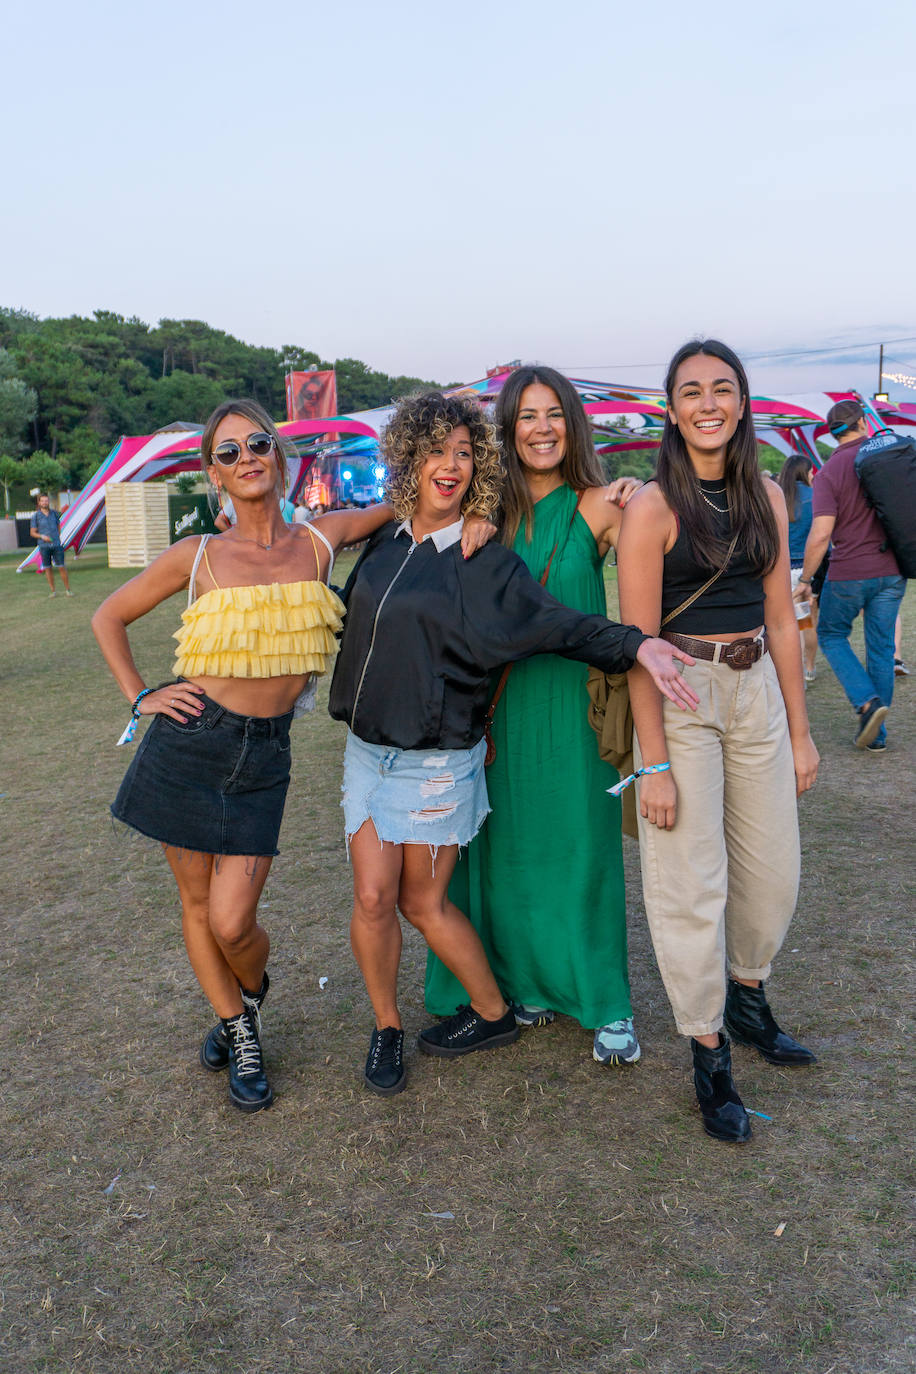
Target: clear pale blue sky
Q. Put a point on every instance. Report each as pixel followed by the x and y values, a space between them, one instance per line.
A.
pixel 437 188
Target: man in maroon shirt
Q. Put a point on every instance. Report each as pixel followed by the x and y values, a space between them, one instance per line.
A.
pixel 863 576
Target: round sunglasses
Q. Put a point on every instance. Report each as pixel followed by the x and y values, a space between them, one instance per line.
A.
pixel 229 451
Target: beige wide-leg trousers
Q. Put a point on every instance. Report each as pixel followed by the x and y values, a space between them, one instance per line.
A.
pixel 720 888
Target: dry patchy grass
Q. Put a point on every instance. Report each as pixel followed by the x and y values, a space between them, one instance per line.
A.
pixel 593 1226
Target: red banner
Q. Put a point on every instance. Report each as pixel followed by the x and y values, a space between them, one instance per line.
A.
pixel 310 395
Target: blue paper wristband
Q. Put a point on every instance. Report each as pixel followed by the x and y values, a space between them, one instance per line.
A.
pixel 624 783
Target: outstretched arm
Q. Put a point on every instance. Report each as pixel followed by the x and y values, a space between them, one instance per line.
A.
pixel 509 616
pixel 343 527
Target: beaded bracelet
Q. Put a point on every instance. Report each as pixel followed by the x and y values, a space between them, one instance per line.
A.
pixel 131 728
pixel 137 699
pixel 619 787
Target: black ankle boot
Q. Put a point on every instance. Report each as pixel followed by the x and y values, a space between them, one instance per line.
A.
pixel 254 1001
pixel 249 1089
pixel 749 1021
pixel 214 1052
pixel 723 1111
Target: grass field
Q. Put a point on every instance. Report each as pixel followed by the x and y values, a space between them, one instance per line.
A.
pixel 520 1211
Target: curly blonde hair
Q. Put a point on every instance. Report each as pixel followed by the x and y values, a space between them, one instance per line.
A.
pixel 421 421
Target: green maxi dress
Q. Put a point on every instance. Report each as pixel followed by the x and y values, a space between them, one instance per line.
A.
pixel 543 881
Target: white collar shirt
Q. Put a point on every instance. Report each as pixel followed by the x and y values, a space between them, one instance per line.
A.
pixel 443 539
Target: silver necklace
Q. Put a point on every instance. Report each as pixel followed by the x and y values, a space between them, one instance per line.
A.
pixel 248 539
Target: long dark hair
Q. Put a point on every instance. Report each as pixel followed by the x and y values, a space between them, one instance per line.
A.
pixel 751 514
pixel 580 467
pixel 795 469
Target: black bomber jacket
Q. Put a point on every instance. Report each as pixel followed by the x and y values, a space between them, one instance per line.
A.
pixel 425 629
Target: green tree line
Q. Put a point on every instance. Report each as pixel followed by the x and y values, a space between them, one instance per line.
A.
pixel 70 387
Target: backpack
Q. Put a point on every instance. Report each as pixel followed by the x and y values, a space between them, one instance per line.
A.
pixel 886 468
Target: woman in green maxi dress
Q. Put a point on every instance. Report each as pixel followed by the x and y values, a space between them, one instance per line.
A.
pixel 543 881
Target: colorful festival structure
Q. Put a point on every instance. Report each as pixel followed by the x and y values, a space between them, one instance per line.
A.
pixel 622 418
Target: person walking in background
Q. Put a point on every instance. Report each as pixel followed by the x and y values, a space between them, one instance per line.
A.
pixel 863 576
pixel 543 881
pixel 795 480
pixel 45 527
pixel 424 630
pixel 705 548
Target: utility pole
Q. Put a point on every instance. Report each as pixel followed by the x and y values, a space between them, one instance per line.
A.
pixel 881 394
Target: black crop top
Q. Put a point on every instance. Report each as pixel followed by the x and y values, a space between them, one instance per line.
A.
pixel 735 600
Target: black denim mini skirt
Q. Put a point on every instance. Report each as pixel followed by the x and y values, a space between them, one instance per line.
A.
pixel 216 784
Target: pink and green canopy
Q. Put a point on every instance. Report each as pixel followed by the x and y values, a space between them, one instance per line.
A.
pixel 622 418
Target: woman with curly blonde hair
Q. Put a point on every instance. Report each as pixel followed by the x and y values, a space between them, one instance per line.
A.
pixel 425 629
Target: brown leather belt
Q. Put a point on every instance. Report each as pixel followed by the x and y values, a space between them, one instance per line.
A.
pixel 738 654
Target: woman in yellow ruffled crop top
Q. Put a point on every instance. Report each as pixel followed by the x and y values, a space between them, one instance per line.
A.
pixel 210 777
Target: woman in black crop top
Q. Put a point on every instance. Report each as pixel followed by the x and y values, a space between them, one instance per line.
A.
pixel 703 554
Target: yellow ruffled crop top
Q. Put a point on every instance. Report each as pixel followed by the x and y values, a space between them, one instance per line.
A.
pixel 272 629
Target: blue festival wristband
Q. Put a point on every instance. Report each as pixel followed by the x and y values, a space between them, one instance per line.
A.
pixel 624 783
pixel 130 729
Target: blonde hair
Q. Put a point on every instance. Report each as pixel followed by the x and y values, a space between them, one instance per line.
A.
pixel 249 410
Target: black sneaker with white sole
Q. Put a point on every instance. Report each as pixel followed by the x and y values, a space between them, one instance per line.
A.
pixel 466 1032
pixel 385 1072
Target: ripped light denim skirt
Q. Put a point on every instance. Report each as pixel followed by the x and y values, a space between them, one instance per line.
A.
pixel 415 796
